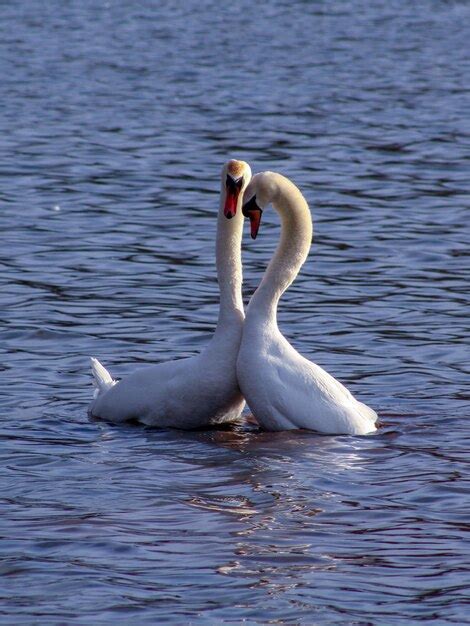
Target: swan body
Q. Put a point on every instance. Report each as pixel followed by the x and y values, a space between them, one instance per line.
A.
pixel 283 389
pixel 200 390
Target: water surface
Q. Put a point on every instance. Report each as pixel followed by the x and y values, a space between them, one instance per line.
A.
pixel 116 119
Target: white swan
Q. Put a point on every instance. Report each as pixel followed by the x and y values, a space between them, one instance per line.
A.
pixel 203 389
pixel 283 389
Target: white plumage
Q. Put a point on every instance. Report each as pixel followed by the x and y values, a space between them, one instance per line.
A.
pixel 282 388
pixel 102 379
pixel 203 389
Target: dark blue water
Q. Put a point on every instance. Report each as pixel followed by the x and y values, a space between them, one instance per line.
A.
pixel 116 118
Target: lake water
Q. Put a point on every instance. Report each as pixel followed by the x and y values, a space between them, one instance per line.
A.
pixel 116 118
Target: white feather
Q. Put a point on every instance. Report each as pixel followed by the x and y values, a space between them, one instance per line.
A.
pixel 203 389
pixel 102 379
pixel 283 389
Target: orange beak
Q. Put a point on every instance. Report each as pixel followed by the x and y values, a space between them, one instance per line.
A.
pixel 232 191
pixel 254 213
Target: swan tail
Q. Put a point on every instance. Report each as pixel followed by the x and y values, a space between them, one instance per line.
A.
pixel 102 378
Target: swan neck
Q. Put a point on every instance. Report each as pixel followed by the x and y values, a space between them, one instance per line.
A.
pixel 291 252
pixel 229 264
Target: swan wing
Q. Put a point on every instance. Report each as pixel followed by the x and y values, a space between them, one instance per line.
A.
pixel 185 393
pixel 304 395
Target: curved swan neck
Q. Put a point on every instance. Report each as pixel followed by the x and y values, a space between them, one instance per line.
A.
pixel 291 252
pixel 229 263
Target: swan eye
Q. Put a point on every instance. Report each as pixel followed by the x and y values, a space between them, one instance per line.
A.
pixel 251 205
pixel 234 185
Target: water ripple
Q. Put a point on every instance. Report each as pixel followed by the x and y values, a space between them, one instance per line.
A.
pixel 116 120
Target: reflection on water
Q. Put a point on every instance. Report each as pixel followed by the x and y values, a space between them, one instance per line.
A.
pixel 116 120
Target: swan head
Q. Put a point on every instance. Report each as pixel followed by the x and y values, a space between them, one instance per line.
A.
pixel 259 193
pixel 235 177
